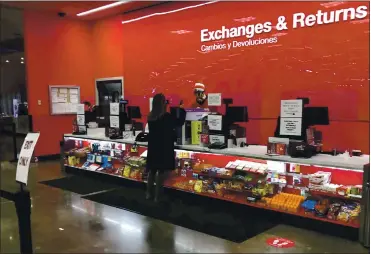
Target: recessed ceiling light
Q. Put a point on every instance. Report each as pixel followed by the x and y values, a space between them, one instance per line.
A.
pixel 168 12
pixel 22 62
pixel 7 61
pixel 104 7
pixel 22 58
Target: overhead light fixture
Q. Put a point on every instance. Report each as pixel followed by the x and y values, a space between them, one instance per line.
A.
pixel 104 7
pixel 22 62
pixel 7 61
pixel 22 58
pixel 168 12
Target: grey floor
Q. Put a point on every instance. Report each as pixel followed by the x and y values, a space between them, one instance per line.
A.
pixel 64 222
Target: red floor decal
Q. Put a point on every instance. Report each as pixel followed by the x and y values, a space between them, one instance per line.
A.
pixel 280 242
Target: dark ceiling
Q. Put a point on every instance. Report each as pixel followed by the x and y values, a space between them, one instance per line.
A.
pixel 11 33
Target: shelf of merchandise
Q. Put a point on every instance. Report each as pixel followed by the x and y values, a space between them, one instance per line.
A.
pixel 300 212
pixel 257 153
pixel 334 195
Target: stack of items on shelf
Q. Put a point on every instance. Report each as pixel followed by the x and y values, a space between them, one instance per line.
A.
pixel 283 201
pixel 333 210
pixel 320 182
pixel 248 166
pixel 134 167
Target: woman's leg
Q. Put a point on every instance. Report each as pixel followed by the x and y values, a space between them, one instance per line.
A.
pixel 161 176
pixel 150 183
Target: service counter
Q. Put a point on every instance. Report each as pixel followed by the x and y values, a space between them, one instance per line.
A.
pixel 332 189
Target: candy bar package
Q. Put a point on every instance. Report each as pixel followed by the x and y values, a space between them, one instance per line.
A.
pixel 334 210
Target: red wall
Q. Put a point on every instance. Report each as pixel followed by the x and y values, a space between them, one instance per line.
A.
pixel 327 63
pixel 66 52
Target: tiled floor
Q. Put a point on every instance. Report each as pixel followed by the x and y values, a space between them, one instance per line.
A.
pixel 64 222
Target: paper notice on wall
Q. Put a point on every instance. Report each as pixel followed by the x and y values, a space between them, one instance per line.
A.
pixel 58 108
pixel 114 121
pixel 214 99
pixel 25 157
pixel 62 91
pixel 74 98
pixel 71 108
pixel 80 109
pixel 54 96
pixel 291 108
pixel 74 91
pixel 290 126
pixel 80 119
pixel 114 109
pixel 214 122
pixel 62 99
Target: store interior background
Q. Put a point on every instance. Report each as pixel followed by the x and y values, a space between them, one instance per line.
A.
pixel 328 63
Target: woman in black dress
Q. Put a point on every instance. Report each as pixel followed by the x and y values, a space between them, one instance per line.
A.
pixel 161 138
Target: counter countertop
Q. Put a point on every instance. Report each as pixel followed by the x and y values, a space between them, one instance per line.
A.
pixel 259 152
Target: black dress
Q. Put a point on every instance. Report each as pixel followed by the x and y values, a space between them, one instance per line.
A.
pixel 161 138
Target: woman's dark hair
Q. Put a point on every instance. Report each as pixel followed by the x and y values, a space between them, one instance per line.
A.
pixel 158 107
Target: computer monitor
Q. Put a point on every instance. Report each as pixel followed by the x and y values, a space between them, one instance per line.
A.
pixel 236 114
pixel 316 115
pixel 134 112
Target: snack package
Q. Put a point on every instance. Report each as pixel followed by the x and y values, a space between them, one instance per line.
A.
pixel 309 205
pixel 321 208
pixel 126 171
pixel 333 211
pixel 198 186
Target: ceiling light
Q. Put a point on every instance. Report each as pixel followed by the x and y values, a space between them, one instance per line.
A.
pixel 181 32
pixel 22 58
pixel 7 61
pixel 168 12
pixel 104 7
pixel 22 62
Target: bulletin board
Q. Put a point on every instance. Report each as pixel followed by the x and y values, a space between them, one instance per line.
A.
pixel 64 99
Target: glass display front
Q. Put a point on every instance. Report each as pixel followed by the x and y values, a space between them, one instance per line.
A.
pixel 322 193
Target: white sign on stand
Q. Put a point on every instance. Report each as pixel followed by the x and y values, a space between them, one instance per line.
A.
pixel 80 109
pixel 291 117
pixel 214 99
pixel 23 166
pixel 114 109
pixel 290 126
pixel 291 108
pixel 80 119
pixel 114 122
pixel 214 122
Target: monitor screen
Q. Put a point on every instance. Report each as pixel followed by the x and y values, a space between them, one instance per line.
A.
pixel 134 112
pixel 236 114
pixel 316 115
